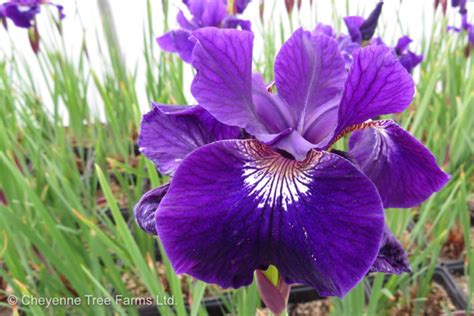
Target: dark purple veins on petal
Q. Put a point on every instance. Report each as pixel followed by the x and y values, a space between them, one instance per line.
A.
pixel 310 75
pixel 223 83
pixel 403 169
pixel 169 133
pixel 236 206
pixel 377 84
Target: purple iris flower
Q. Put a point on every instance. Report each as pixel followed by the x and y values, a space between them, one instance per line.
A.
pixel 361 32
pixel 254 179
pixel 461 4
pixel 23 12
pixel 204 13
pixel 407 58
pixel 467 27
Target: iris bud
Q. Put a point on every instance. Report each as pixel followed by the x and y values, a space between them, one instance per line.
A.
pixel 273 290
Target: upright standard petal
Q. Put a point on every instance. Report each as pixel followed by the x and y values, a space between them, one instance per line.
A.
pixel 309 75
pixel 145 210
pixel 184 22
pixel 241 5
pixel 402 44
pixel 353 24
pixel 367 29
pixel 169 133
pixel 237 206
pixel 392 258
pixel 223 83
pixel 207 12
pixel 324 29
pixel 177 42
pixel 377 84
pixel 404 171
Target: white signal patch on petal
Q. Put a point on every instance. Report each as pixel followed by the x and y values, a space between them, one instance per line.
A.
pixel 275 180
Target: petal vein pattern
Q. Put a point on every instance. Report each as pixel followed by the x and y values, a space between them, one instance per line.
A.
pixel 271 178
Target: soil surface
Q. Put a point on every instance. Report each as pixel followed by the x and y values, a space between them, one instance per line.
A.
pixel 453 248
pixel 315 308
pixel 437 302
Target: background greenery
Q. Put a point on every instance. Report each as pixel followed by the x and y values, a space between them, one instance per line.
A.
pixel 67 227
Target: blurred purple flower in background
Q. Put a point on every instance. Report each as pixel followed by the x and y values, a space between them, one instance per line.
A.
pixel 461 4
pixel 23 12
pixel 204 13
pixel 255 182
pixel 361 32
pixel 408 59
pixel 465 25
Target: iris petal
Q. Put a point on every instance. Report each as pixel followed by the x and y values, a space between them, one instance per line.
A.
pixel 410 60
pixel 402 44
pixel 207 13
pixel 392 258
pixel 22 16
pixel 169 133
pixel 184 22
pixel 231 22
pixel 309 75
pixel 146 208
pixel 241 5
pixel 237 206
pixel 367 29
pixel 403 169
pixel 177 42
pixel 223 83
pixel 353 24
pixel 378 84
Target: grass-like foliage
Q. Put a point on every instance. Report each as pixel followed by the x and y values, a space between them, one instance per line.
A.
pixel 66 222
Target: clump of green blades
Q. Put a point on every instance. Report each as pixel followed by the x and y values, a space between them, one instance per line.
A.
pixel 62 229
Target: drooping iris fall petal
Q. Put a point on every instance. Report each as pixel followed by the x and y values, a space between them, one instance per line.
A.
pixel 169 133
pixel 391 258
pixel 403 169
pixel 243 207
pixel 146 208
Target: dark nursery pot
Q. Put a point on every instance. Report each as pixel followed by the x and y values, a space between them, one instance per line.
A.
pixel 446 280
pixel 456 269
pixel 470 206
pixel 443 277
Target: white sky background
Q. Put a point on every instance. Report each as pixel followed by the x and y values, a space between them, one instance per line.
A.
pixel 412 17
